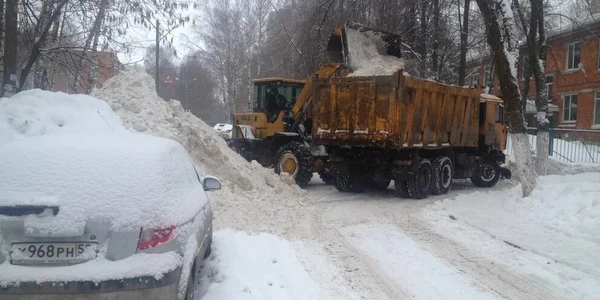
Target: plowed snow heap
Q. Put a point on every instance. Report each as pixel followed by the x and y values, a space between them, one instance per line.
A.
pixel 253 198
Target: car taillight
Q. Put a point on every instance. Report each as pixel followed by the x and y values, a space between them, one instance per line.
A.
pixel 153 237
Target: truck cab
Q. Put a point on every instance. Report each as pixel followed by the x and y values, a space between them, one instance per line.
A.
pixel 492 126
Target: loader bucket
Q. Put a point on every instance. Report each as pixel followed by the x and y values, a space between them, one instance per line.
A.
pixel 388 43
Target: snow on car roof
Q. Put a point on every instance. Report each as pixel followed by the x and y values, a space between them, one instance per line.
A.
pixel 37 112
pixel 127 179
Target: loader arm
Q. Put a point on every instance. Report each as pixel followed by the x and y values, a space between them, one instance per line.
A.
pixel 302 109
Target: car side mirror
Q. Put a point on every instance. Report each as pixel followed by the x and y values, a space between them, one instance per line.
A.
pixel 211 184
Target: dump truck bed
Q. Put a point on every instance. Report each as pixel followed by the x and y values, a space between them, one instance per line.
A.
pixel 394 112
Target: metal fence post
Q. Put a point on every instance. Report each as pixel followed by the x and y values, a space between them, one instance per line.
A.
pixel 550 141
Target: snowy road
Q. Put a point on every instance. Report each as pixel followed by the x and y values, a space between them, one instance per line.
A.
pixel 376 246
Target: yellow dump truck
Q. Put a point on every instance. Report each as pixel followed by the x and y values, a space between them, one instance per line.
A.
pixel 419 133
pixel 360 130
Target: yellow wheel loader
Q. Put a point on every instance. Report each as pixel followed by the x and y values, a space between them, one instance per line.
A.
pixel 277 133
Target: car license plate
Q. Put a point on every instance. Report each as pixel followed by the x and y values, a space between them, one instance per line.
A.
pixel 53 253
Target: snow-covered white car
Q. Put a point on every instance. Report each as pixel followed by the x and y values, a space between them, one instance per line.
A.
pixel 101 216
pixel 224 130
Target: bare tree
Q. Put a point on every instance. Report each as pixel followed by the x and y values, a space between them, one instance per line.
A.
pixel 464 39
pixel 501 35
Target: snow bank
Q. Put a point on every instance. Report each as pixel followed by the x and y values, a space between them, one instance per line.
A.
pixel 36 112
pixel 253 198
pixel 98 270
pixel 88 176
pixel 367 55
pixel 569 204
pixel 260 267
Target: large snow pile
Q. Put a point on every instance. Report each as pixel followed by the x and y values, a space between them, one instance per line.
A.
pixel 87 176
pixel 253 198
pixel 569 204
pixel 261 267
pixel 367 55
pixel 37 112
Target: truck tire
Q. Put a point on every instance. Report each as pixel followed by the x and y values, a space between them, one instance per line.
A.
pixel 487 174
pixel 295 159
pixel 442 175
pixel 380 185
pixel 401 189
pixel 326 178
pixel 420 186
pixel 349 183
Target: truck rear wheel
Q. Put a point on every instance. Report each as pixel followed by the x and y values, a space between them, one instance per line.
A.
pixel 380 185
pixel 349 183
pixel 296 160
pixel 420 186
pixel 401 189
pixel 487 175
pixel 442 175
pixel 326 178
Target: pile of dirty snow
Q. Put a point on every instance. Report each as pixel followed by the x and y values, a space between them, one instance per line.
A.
pixel 367 55
pixel 253 198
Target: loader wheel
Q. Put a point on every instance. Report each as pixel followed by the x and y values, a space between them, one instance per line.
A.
pixel 420 186
pixel 349 183
pixel 401 189
pixel 326 178
pixel 442 175
pixel 295 159
pixel 487 174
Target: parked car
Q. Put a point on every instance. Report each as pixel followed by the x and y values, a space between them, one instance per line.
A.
pixel 105 216
pixel 224 130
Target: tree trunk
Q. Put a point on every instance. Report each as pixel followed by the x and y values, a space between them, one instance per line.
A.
pixel 423 40
pixel 93 71
pixel 1 47
pixel 541 95
pixel 436 37
pixel 464 36
pixel 500 31
pixel 9 79
pixel 40 40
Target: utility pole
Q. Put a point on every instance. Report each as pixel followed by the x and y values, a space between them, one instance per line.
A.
pixel 157 79
pixel 9 80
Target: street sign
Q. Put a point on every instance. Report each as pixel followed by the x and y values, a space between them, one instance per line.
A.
pixel 168 80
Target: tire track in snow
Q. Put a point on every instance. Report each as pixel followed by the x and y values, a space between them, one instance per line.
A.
pixel 498 279
pixel 360 274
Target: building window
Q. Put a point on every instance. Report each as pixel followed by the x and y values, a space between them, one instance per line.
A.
pixel 597 109
pixel 549 86
pixel 570 108
pixel 475 77
pixel 486 75
pixel 573 56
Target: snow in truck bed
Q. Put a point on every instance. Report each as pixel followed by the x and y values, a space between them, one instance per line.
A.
pixel 129 180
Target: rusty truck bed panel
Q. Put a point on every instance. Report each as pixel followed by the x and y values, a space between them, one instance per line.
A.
pixel 394 112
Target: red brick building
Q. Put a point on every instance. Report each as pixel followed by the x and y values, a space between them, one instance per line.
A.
pixel 102 65
pixel 572 75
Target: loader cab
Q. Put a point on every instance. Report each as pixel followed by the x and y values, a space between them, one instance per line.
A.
pixel 273 95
